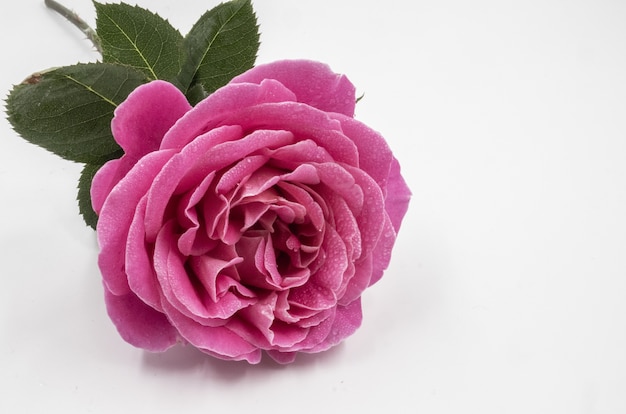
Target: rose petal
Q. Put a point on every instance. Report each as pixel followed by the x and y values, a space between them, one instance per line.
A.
pixel 139 324
pixel 342 182
pixel 287 336
pixel 140 272
pixel 217 340
pixel 382 251
pixel 362 278
pixel 318 332
pixel 375 157
pixel 139 124
pixel 315 320
pixel 347 321
pixel 142 120
pixel 194 240
pixel 312 296
pixel 238 173
pixel 117 215
pixel 227 152
pixel 211 112
pixel 301 152
pixel 304 121
pixel 207 268
pixel 314 83
pixel 313 210
pixel 398 196
pixel 105 179
pixel 330 275
pixel 371 217
pixel 260 316
pixel 167 180
pixel 173 277
pixel 346 226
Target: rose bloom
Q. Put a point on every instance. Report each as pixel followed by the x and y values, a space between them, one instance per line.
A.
pixel 251 222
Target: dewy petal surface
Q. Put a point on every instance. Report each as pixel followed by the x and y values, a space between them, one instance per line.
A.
pixel 105 179
pixel 375 156
pixel 139 124
pixel 347 320
pixel 117 215
pixel 398 196
pixel 139 324
pixel 139 266
pixel 142 120
pixel 222 103
pixel 305 122
pixel 218 340
pixel 314 83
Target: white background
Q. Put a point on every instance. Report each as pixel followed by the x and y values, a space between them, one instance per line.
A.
pixel 507 289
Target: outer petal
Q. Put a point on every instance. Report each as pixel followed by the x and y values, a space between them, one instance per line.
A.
pixel 347 321
pixel 362 279
pixel 382 252
pixel 210 113
pixel 314 83
pixel 139 125
pixel 105 179
pixel 375 156
pixel 398 196
pixel 139 266
pixel 218 340
pixel 139 324
pixel 142 120
pixel 304 122
pixel 116 217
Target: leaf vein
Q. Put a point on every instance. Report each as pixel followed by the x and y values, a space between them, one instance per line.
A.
pixel 134 46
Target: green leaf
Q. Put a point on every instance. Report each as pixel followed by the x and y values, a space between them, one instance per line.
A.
pixel 196 94
pixel 84 194
pixel 221 45
pixel 136 37
pixel 68 111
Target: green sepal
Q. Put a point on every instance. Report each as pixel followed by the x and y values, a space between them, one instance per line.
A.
pixel 221 45
pixel 130 35
pixel 68 111
pixel 84 194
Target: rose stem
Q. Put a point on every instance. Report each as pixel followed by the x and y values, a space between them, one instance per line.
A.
pixel 76 21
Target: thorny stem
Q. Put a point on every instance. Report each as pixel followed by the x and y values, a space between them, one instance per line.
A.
pixel 76 21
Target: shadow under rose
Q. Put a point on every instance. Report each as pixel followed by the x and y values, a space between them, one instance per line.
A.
pixel 182 359
pixel 327 358
pixel 187 359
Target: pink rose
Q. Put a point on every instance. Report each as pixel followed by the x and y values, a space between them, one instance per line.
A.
pixel 252 222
